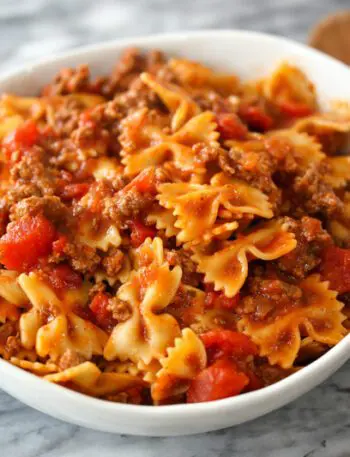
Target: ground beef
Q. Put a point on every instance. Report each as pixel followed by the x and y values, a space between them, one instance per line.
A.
pixel 70 359
pixel 91 141
pixel 131 63
pixel 272 374
pixel 180 305
pixel 205 153
pixel 9 341
pixel 82 258
pixel 63 153
pixel 128 204
pixel 69 81
pixel 22 190
pixel 137 97
pixel 189 268
pixel 97 288
pixel 31 176
pixel 120 309
pixel 50 206
pixel 311 240
pixel 99 130
pixel 4 215
pixel 255 166
pixel 314 194
pixel 131 397
pixel 266 297
pixel 345 298
pixel 211 100
pixel 64 118
pixel 113 262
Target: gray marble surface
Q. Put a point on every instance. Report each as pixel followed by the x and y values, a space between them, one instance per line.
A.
pixel 316 425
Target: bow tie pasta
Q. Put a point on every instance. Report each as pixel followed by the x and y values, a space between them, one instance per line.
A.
pixel 182 363
pixel 318 315
pixel 148 332
pixel 197 206
pixel 64 330
pixel 227 268
pixel 154 147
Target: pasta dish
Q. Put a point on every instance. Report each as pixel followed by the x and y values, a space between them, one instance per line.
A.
pixel 170 233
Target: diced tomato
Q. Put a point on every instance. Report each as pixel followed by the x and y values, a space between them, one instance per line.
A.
pixel 99 307
pixel 85 119
pixel 84 312
pixel 221 343
pixel 335 268
pixel 219 299
pixel 25 242
pixel 59 245
pixel 23 137
pixel 144 182
pixel 96 192
pixel 295 109
pixel 71 191
pixel 256 117
pixel 139 232
pixel 231 127
pixel 63 277
pixel 48 132
pixel 220 380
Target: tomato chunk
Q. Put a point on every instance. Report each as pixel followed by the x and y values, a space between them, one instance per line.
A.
pixel 103 316
pixel 25 242
pixel 218 299
pixel 231 127
pixel 86 120
pixel 63 277
pixel 220 380
pixel 221 343
pixel 256 117
pixel 295 109
pixel 23 137
pixel 144 182
pixel 139 232
pixel 70 191
pixel 335 268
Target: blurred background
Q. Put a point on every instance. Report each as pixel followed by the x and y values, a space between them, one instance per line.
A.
pixel 30 29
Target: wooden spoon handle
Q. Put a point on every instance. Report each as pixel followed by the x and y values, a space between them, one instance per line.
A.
pixel 332 36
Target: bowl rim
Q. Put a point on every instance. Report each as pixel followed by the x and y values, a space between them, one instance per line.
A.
pixel 340 352
pixel 141 40
pixel 335 354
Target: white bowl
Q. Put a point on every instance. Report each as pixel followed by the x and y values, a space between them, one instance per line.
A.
pixel 250 55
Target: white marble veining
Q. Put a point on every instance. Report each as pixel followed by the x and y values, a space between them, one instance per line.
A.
pixel 316 425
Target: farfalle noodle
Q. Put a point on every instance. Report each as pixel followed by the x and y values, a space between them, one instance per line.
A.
pixel 227 268
pixel 157 147
pixel 148 332
pixel 319 316
pixel 196 206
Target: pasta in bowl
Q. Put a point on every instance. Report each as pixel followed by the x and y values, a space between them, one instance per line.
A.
pixel 173 233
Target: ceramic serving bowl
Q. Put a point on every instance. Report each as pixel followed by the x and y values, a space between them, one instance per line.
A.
pixel 250 55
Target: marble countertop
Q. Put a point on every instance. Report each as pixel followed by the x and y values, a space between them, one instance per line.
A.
pixel 316 425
